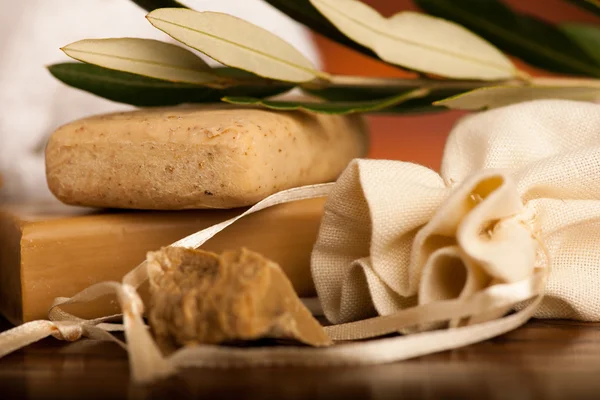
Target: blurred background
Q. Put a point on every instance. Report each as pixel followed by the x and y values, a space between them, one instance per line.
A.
pixel 33 103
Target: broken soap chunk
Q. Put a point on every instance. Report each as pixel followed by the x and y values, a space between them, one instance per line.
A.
pixel 201 297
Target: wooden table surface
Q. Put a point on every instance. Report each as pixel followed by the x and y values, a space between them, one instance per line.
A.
pixel 542 360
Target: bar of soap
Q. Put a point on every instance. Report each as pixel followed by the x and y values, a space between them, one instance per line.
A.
pixel 199 297
pixel 52 251
pixel 191 158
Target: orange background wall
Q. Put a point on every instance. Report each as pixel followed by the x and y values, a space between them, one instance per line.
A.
pixel 421 138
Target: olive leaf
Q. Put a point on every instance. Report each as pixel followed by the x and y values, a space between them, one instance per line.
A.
pixel 589 5
pixel 499 96
pixel 141 91
pixel 305 13
pixel 151 5
pixel 534 41
pixel 145 57
pixel 236 43
pixel 586 36
pixel 332 107
pixel 418 41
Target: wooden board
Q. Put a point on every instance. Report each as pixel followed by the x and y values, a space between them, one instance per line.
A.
pixel 542 360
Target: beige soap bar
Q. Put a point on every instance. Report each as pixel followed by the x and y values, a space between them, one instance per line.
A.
pixel 187 158
pixel 47 252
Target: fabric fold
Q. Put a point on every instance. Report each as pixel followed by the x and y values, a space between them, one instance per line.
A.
pixel 515 182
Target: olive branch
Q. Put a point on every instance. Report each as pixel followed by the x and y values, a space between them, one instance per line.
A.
pixel 460 50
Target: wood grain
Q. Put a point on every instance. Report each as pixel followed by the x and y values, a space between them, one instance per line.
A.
pixel 544 359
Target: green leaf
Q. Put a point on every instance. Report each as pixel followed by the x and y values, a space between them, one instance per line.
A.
pixel 145 57
pixel 418 41
pixel 151 5
pixel 536 42
pixel 589 5
pixel 141 91
pixel 499 96
pixel 332 107
pixel 236 43
pixel 586 36
pixel 305 13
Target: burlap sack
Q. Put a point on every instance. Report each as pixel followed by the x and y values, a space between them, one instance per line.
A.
pixel 515 182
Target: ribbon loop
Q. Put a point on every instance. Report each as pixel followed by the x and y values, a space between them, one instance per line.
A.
pixel 130 300
pixel 69 331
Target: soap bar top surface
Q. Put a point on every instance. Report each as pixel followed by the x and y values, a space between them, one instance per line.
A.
pixel 191 157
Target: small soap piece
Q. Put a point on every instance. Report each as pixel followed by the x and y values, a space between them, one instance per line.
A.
pixel 47 251
pixel 198 297
pixel 188 158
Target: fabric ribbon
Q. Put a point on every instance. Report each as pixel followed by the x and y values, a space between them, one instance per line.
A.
pixel 148 364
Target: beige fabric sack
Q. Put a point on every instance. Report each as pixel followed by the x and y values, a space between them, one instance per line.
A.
pixel 515 182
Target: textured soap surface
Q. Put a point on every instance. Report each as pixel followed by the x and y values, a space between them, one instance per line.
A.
pixel 47 252
pixel 186 158
pixel 200 297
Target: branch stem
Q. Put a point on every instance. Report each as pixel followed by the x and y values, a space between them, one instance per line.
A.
pixel 405 84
